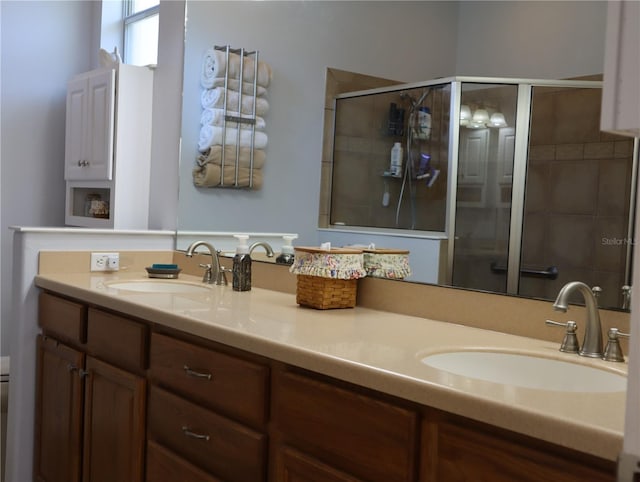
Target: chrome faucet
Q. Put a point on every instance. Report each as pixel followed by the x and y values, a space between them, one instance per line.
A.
pixel 267 247
pixel 213 273
pixel 592 343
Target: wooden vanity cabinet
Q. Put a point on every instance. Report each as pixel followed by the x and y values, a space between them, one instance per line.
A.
pixel 208 409
pixel 214 413
pixel 90 410
pixel 339 432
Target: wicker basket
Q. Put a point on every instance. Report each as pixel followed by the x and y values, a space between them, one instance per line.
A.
pixel 327 279
pixel 326 293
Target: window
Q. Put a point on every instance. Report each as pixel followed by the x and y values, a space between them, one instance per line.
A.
pixel 141 19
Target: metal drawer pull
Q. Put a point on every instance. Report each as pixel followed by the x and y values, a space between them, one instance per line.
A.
pixel 193 373
pixel 191 434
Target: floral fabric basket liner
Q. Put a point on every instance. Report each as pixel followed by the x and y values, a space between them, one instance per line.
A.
pixel 387 263
pixel 335 263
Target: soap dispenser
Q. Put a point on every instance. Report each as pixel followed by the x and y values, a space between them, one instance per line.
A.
pixel 242 265
pixel 286 256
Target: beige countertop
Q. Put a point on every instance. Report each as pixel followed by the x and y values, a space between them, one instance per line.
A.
pixel 374 349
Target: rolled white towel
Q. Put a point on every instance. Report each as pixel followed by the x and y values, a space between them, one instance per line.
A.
pixel 215 117
pixel 215 65
pixel 214 99
pixel 212 136
pixel 233 84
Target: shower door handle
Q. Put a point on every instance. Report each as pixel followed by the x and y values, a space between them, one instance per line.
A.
pixel 550 273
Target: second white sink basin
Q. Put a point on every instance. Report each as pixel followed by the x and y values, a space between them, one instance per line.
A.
pixel 528 371
pixel 159 286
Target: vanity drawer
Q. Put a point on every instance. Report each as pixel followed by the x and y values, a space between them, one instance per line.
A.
pixel 225 448
pixel 62 319
pixel 369 438
pixel 117 339
pixel 229 384
pixel 165 466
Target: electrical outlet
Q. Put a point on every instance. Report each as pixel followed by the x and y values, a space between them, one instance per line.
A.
pixel 105 261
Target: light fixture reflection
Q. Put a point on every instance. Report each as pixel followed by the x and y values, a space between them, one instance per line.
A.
pixel 497 120
pixel 480 116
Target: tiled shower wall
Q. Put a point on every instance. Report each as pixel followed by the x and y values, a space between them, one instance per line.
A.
pixel 362 146
pixel 577 195
pixel 338 82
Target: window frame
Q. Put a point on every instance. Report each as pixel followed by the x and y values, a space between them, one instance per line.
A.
pixel 129 19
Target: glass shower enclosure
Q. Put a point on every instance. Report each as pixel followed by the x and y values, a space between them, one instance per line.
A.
pixel 513 174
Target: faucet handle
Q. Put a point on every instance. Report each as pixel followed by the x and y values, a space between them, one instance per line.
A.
pixel 570 342
pixel 597 291
pixel 222 276
pixel 206 277
pixel 626 297
pixel 613 351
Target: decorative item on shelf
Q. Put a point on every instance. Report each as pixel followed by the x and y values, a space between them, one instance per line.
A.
pixel 232 140
pixel 110 60
pixel 99 209
pixel 89 199
pixel 386 263
pixel 327 277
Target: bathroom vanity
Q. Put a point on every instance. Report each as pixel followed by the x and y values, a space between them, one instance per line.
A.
pixel 248 386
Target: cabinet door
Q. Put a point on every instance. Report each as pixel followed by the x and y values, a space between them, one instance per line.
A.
pixel 114 424
pixel 294 466
pixel 58 419
pixel 90 127
pixel 100 117
pixel 76 125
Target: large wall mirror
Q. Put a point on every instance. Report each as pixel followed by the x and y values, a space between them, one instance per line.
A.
pixel 315 45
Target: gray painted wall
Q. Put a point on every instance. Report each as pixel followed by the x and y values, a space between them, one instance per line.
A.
pixel 534 39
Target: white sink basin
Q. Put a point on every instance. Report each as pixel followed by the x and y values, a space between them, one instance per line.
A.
pixel 528 371
pixel 159 286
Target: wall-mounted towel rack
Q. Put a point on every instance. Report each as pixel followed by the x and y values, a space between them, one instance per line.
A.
pixel 232 140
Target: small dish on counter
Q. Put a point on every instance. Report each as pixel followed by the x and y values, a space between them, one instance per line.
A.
pixel 163 271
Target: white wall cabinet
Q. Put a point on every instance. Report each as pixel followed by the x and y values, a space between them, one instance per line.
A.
pixel 108 148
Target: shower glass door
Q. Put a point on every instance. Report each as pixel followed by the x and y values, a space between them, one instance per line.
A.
pixel 484 185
